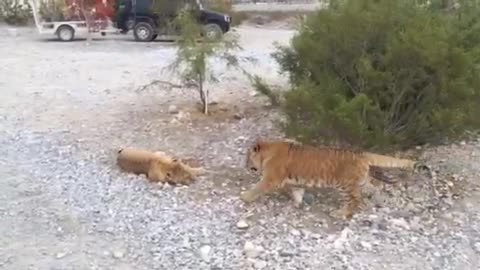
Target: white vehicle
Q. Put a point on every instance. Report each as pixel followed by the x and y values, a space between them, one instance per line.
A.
pixel 68 30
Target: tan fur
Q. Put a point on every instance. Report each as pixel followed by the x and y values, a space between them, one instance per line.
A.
pixel 157 166
pixel 284 164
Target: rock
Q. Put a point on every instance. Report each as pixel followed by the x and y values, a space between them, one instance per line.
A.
pixel 259 264
pixel 251 250
pixel 118 254
pixel 343 238
pixel 254 93
pixel 242 224
pixel 477 247
pixel 205 253
pixel 286 253
pixel 400 223
pixel 295 232
pixel 366 245
pixel 60 255
pixel 172 109
pixel 238 116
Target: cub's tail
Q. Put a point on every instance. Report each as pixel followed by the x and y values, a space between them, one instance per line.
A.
pixel 389 162
pixel 377 162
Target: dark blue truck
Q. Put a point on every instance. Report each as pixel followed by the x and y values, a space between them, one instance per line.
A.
pixel 150 19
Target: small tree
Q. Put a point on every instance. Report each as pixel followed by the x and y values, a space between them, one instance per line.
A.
pixel 194 51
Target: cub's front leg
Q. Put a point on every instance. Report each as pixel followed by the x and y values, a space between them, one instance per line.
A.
pixel 265 185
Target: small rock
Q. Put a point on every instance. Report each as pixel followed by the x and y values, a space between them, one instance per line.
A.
pixel 295 232
pixel 60 255
pixel 259 264
pixel 238 116
pixel 242 224
pixel 118 254
pixel 477 247
pixel 286 253
pixel 205 253
pixel 343 238
pixel 366 245
pixel 172 109
pixel 250 250
pixel 400 223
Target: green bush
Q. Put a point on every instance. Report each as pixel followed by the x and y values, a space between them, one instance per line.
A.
pixel 14 13
pixel 384 74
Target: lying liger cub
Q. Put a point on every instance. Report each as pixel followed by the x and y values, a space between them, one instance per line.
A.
pixel 157 166
pixel 286 164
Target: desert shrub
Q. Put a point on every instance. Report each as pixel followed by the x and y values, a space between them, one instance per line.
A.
pixel 14 13
pixel 384 73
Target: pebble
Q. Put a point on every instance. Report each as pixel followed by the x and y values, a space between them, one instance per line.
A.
pixel 172 109
pixel 205 253
pixel 295 232
pixel 366 245
pixel 477 247
pixel 251 250
pixel 242 224
pixel 259 264
pixel 118 254
pixel 60 255
pixel 400 223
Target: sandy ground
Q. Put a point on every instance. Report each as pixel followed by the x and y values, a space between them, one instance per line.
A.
pixel 66 108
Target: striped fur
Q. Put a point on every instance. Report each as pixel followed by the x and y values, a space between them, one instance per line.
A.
pixel 294 166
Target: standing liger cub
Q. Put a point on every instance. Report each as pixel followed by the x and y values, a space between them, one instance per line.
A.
pixel 296 166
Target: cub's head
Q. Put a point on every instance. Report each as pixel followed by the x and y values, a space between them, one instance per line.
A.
pixel 176 173
pixel 254 156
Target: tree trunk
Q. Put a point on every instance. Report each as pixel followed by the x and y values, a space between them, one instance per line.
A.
pixel 203 94
pixel 85 8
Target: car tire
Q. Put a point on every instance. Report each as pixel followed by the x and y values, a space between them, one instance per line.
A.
pixel 212 31
pixel 143 32
pixel 65 33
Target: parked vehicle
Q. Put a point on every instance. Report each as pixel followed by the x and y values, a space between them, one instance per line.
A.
pixel 66 18
pixel 150 19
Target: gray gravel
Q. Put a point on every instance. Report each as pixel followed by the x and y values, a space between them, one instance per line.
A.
pixel 66 108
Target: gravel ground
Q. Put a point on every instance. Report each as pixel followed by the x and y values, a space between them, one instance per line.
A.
pixel 66 108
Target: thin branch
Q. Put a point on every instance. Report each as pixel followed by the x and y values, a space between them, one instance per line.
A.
pixel 157 82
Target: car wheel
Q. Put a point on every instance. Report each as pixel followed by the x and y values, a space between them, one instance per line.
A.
pixel 143 32
pixel 65 33
pixel 212 31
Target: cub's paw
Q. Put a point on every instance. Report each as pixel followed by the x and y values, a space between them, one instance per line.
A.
pixel 342 214
pixel 247 196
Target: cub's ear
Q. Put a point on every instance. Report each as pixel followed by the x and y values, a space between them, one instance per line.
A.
pixel 256 147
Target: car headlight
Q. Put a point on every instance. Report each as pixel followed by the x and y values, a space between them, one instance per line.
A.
pixel 227 18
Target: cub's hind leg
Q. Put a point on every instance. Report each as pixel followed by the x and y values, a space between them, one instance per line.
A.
pixel 352 199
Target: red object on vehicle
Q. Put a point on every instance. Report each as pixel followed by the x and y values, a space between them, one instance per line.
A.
pixel 98 9
pixel 104 9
